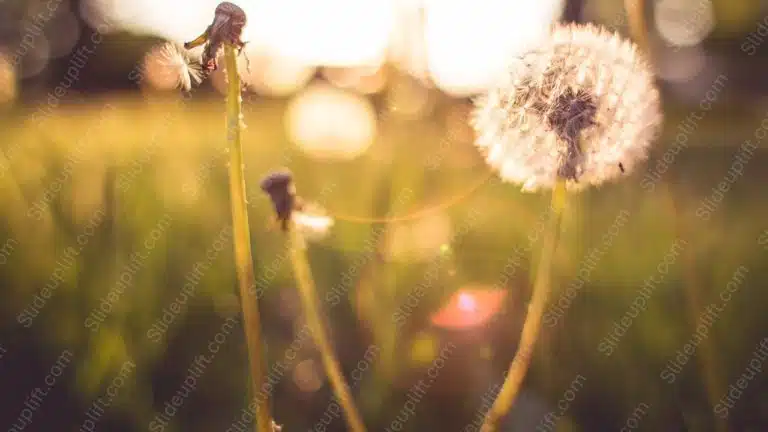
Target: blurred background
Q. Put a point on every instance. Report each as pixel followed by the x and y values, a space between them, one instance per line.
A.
pixel 116 260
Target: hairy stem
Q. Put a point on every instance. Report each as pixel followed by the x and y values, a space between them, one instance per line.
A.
pixel 242 242
pixel 541 287
pixel 303 274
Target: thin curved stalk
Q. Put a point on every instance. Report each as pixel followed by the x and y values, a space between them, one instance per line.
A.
pixel 303 274
pixel 637 25
pixel 242 241
pixel 531 327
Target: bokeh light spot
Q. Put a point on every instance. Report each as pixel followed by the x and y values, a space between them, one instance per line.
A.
pixel 306 376
pixel 684 23
pixel 274 74
pixel 468 42
pixel 469 308
pixel 421 239
pixel 328 123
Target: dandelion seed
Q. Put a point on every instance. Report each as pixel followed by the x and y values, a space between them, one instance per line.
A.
pixel 582 107
pixel 175 65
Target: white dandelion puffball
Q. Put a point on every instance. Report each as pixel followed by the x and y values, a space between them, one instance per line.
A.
pixel 582 107
pixel 171 66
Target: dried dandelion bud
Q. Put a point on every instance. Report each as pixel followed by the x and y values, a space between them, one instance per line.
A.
pixel 582 107
pixel 228 23
pixel 309 219
pixel 279 186
pixel 227 27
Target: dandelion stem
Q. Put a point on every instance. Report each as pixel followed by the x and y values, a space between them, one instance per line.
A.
pixel 637 26
pixel 303 275
pixel 541 287
pixel 242 241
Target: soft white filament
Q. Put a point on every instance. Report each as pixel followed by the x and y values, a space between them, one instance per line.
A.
pixel 512 128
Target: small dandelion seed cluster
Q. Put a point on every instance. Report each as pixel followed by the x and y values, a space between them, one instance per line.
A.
pixel 581 107
pixel 227 27
pixel 186 70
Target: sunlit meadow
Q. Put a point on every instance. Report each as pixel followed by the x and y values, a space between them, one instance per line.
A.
pixel 121 307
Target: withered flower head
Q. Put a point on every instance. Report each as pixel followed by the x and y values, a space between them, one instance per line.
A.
pixel 310 219
pixel 227 27
pixel 280 188
pixel 581 107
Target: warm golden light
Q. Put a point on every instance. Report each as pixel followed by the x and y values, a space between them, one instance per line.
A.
pixel 327 33
pixel 8 85
pixel 460 44
pixel 329 123
pixel 112 15
pixel 365 80
pixel 421 239
pixel 409 99
pixel 468 43
pixel 273 74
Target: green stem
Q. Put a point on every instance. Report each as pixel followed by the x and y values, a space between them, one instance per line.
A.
pixel 242 242
pixel 303 274
pixel 519 366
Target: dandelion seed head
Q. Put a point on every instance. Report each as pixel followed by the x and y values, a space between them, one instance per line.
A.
pixel 582 107
pixel 173 64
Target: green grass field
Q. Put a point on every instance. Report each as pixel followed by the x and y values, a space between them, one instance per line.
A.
pixel 111 204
